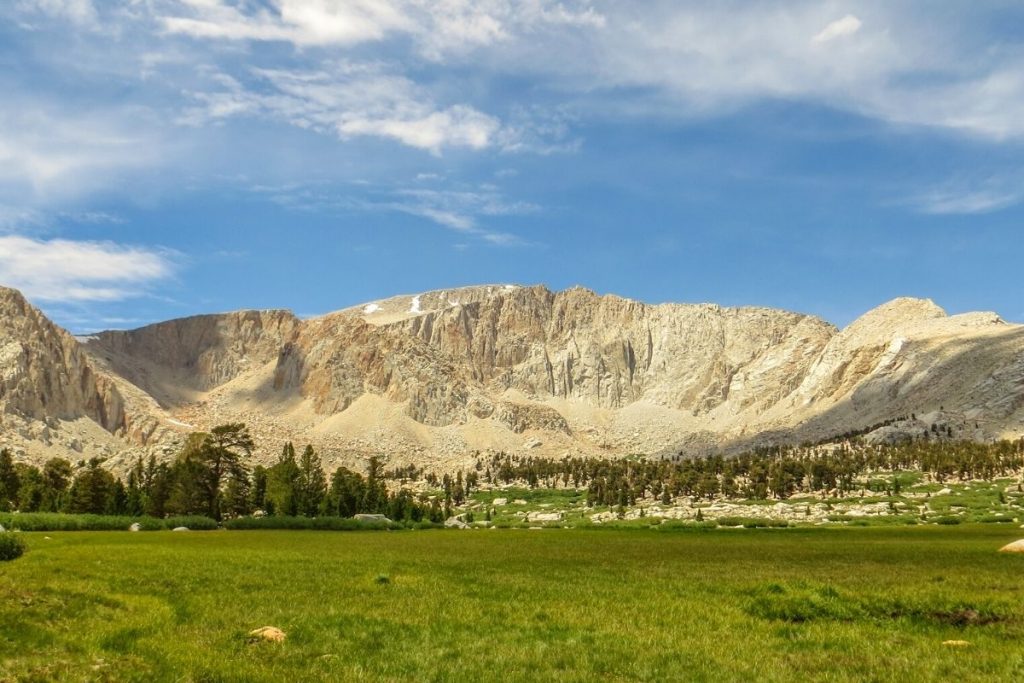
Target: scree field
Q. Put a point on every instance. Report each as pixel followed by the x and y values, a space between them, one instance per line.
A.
pixel 511 605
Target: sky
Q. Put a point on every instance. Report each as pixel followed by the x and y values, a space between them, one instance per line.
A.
pixel 163 158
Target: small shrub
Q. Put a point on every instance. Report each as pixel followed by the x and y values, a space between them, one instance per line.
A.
pixel 753 522
pixel 992 519
pixel 949 521
pixel 11 547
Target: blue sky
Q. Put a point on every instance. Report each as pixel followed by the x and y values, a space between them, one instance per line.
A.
pixel 160 158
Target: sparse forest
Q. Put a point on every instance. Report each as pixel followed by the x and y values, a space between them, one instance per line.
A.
pixel 211 477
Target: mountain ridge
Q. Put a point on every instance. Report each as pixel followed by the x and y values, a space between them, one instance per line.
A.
pixel 432 377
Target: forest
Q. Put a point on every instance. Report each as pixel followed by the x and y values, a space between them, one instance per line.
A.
pixel 211 476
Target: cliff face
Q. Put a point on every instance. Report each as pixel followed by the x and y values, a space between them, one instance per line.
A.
pixel 434 376
pixel 55 400
pixel 176 361
pixel 609 352
pixel 44 373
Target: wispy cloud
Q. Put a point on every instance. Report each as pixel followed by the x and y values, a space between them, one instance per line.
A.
pixel 967 198
pixel 69 270
pixel 349 100
pixel 48 152
pixel 464 210
pixel 846 26
pixel 437 27
pixel 76 11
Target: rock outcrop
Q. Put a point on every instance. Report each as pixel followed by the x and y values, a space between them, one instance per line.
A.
pixel 430 378
pixel 46 380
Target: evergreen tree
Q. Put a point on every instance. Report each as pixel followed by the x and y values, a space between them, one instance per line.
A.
pixel 348 490
pixel 220 457
pixel 259 487
pixel 57 474
pixel 32 488
pixel 311 484
pixel 235 499
pixel 91 490
pixel 282 484
pixel 9 483
pixel 375 498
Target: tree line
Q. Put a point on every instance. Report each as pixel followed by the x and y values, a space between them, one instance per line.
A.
pixel 776 472
pixel 211 476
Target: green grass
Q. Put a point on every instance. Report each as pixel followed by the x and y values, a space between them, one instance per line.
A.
pixel 836 604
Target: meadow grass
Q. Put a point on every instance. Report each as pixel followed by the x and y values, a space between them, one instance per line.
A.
pixel 836 604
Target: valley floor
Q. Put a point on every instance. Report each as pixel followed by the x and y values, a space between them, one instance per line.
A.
pixel 838 604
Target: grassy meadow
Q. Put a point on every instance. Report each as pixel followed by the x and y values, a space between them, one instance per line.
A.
pixel 837 604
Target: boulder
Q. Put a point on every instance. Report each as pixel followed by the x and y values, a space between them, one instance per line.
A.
pixel 544 517
pixel 455 523
pixel 268 633
pixel 135 527
pixel 363 517
pixel 180 528
pixel 1015 547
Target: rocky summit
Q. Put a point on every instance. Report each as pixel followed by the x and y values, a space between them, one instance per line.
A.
pixel 432 378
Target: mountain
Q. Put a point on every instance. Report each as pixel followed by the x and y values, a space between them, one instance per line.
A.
pixel 430 378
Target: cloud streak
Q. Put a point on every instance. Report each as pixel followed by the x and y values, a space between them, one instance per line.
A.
pixel 465 211
pixel 967 198
pixel 846 26
pixel 348 100
pixel 80 271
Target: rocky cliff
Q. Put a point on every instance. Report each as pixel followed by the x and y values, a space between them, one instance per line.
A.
pixel 434 376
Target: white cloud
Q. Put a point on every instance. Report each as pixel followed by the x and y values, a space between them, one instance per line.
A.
pixel 77 11
pixel 67 270
pixel 438 26
pixel 846 26
pixel 46 152
pixel 350 100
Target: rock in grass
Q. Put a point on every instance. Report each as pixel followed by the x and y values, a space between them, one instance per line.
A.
pixel 180 528
pixel 135 527
pixel 956 643
pixel 1015 547
pixel 270 633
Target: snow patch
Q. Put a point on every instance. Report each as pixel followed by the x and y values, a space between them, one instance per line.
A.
pixel 86 339
pixel 415 307
pixel 370 308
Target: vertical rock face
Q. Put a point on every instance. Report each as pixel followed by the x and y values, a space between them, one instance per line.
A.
pixel 44 373
pixel 609 352
pixel 175 361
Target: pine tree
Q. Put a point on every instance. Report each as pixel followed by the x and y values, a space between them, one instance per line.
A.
pixel 91 490
pixel 348 490
pixel 220 456
pixel 57 474
pixel 312 483
pixel 9 483
pixel 375 499
pixel 282 496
